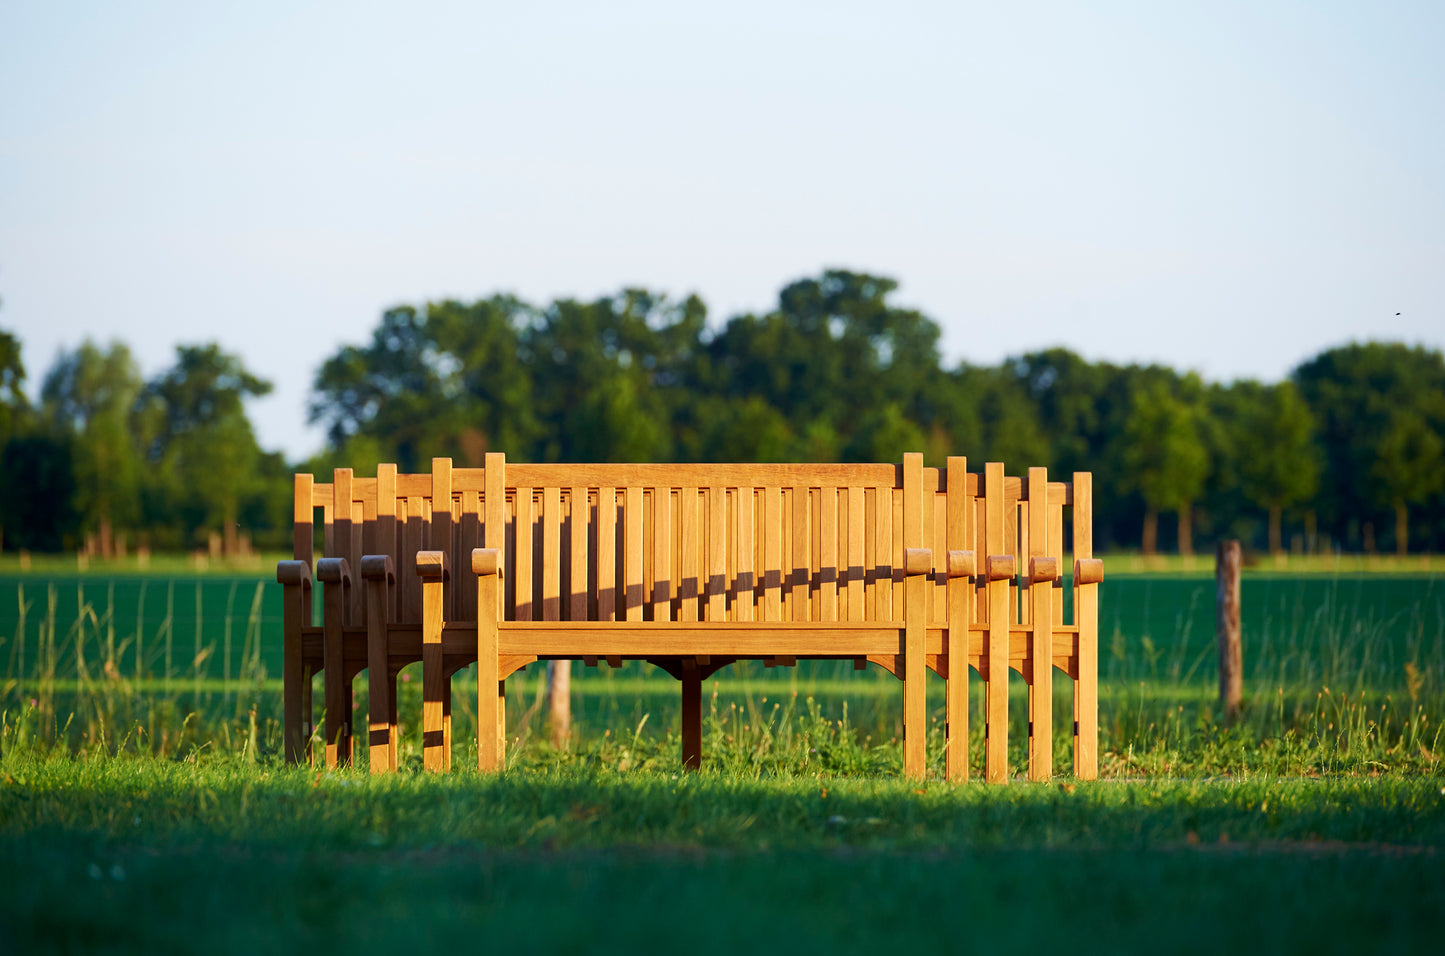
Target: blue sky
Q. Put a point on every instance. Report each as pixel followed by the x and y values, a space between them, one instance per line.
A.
pixel 1222 186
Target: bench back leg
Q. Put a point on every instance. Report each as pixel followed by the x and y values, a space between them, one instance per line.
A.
pixel 491 699
pixel 691 714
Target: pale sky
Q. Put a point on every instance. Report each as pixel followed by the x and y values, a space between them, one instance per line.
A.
pixel 1223 186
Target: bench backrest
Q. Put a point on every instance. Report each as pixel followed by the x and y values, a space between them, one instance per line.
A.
pixel 690 542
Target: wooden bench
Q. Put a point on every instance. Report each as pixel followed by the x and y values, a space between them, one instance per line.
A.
pixel 690 568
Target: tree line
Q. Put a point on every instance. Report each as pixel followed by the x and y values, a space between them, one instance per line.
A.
pixel 1347 452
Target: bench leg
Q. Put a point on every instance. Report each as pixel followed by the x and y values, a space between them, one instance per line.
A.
pixel 293 671
pixel 338 688
pixel 491 700
pixel 996 691
pixel 447 723
pixel 691 715
pixel 433 677
pixel 915 701
pixel 1041 684
pixel 380 682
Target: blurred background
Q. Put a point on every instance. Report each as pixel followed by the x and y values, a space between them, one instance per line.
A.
pixel 1195 250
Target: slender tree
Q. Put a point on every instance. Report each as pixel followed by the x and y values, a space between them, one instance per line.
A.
pixel 1277 462
pixel 1164 459
pixel 1409 467
pixel 90 395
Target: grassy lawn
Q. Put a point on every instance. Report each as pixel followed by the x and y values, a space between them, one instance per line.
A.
pixel 142 854
pixel 143 807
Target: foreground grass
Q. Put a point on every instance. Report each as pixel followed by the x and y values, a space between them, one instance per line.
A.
pixel 141 854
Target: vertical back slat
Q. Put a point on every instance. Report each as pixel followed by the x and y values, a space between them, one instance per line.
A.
pixel 1056 544
pixel 688 573
pixel 353 558
pixel 883 555
pixel 772 569
pixel 799 567
pixel 328 528
pixel 896 547
pixel 1011 545
pixel 938 520
pixel 303 516
pixel 341 537
pixel 581 534
pixel 828 559
pixel 662 554
pixel 441 525
pixel 525 589
pixel 606 554
pixel 469 538
pixel 386 524
pixel 632 553
pixel 552 553
pixel 1025 551
pixel 717 555
pixel 413 540
pixel 856 540
pixel 744 580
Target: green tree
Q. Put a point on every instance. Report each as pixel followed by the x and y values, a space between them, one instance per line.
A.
pixel 832 359
pixel 1380 409
pixel 90 395
pixel 203 444
pixel 13 403
pixel 609 376
pixel 1164 459
pixel 1273 439
pixel 1409 466
pixel 37 486
pixel 442 381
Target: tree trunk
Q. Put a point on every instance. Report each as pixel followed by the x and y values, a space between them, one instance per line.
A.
pixel 1276 542
pixel 106 550
pixel 228 530
pixel 1151 531
pixel 1402 529
pixel 1186 530
pixel 559 701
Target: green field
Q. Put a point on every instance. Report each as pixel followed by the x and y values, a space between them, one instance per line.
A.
pixel 143 808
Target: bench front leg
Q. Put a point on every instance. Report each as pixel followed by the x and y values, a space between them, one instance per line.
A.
pixel 431 567
pixel 917 563
pixel 335 573
pixel 491 701
pixel 295 580
pixel 379 576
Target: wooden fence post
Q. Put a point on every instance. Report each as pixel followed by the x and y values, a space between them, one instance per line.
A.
pixel 1226 577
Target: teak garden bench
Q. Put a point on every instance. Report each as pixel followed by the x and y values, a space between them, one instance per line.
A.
pixel 692 567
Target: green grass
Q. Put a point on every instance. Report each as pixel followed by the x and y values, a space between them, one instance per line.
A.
pixel 140 854
pixel 143 806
